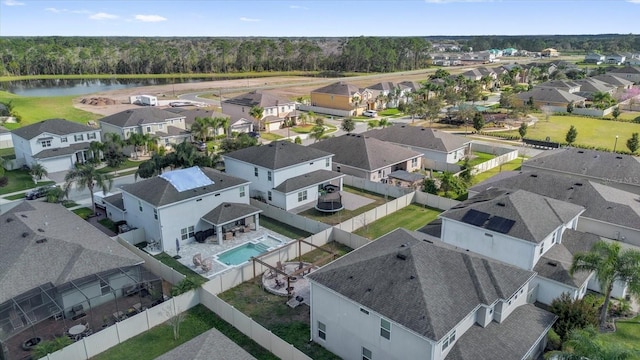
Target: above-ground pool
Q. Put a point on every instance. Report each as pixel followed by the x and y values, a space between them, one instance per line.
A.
pixel 244 252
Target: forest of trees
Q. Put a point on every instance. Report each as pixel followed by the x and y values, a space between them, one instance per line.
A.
pixel 146 55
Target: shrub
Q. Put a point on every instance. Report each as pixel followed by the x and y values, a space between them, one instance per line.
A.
pixel 183 286
pixel 573 314
pixel 298 140
pixel 4 181
pixel 553 340
pixel 50 346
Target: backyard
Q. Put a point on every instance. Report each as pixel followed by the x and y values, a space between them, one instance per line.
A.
pixel 342 215
pixel 512 165
pixel 591 131
pixel 627 334
pixel 271 311
pixel 412 217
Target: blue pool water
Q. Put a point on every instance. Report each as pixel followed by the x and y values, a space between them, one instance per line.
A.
pixel 244 252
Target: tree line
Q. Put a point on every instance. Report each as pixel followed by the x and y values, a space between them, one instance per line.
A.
pixel 124 55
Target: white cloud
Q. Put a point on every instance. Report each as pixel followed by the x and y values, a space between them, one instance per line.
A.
pixel 298 7
pixel 249 19
pixel 634 1
pixel 53 10
pixel 150 18
pixel 58 11
pixel 103 16
pixel 13 3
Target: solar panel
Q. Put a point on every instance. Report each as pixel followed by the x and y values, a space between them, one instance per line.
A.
pixel 475 217
pixel 500 224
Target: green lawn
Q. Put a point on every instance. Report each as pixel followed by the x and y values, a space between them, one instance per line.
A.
pixel 109 224
pixel 412 217
pixel 15 197
pixel 34 109
pixel 6 153
pixel 510 166
pixel 303 129
pixel 20 180
pixel 270 136
pixel 83 212
pixel 591 132
pixel 184 270
pixel 389 112
pixel 627 334
pixel 159 339
pixel 283 229
pixel 478 158
pixel 125 165
pixel 342 215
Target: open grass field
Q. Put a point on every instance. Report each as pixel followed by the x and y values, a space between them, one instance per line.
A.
pixel 34 109
pixel 159 339
pixel 412 217
pixel 20 180
pixel 591 132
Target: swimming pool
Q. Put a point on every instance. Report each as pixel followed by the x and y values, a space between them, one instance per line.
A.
pixel 244 252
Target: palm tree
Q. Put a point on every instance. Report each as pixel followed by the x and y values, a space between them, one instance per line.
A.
pixel 317 132
pixel 136 140
pixel 87 176
pixel 201 127
pixel 384 122
pixel 38 171
pixel 610 264
pixel 257 113
pixel 583 344
pixel 96 148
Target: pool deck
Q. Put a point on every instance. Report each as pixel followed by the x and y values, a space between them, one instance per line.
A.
pixel 209 249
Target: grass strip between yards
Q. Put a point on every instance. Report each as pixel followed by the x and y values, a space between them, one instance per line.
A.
pixel 159 339
pixel 283 229
pixel 20 180
pixel 184 270
pixel 513 165
pixel 83 212
pixel 412 217
pixel 627 335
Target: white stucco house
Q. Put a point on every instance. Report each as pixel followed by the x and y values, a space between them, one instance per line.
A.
pixel 167 127
pixel 277 109
pixel 369 158
pixel 526 230
pixel 57 144
pixel 187 205
pixel 407 296
pixel 282 173
pixel 434 144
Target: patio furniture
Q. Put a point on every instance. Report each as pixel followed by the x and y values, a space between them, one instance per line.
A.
pixel 118 315
pixel 77 330
pixel 197 260
pixel 78 311
pixel 279 266
pixel 279 283
pixel 137 307
pixel 207 265
pixel 228 235
pixel 31 343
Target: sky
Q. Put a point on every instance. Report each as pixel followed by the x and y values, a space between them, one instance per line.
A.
pixel 331 18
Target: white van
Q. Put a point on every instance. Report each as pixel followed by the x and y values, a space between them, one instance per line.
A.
pixel 98 198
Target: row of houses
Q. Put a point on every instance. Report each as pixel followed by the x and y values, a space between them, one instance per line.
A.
pixel 631 59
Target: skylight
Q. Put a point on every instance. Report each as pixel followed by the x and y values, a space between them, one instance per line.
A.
pixel 187 179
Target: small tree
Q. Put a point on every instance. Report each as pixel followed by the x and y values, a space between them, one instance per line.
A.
pixel 616 112
pixel 522 130
pixel 429 186
pixel 348 125
pixel 466 174
pixel 317 132
pixel 572 314
pixel 633 143
pixel 175 321
pixel 297 140
pixel 571 136
pixel 38 171
pixel 478 122
pixel 570 107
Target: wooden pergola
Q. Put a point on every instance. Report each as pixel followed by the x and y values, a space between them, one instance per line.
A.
pixel 301 269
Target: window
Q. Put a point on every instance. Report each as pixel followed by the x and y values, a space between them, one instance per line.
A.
pixel 364 311
pixel 91 136
pixel 449 340
pixel 161 126
pixel 192 231
pixel 104 287
pixel 385 329
pixel 140 205
pixel 269 195
pixel 148 129
pixel 302 196
pixel 45 143
pixel 187 232
pixel 322 331
pixel 269 175
pixel 255 171
pixel 541 248
pixel 338 168
pixel 242 191
pixel 366 354
pixel 155 214
pixel 64 139
pixel 414 162
pixel 327 162
pixel 78 137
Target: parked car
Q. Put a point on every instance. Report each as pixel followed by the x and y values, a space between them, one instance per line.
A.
pixel 370 113
pixel 254 134
pixel 38 192
pixel 200 145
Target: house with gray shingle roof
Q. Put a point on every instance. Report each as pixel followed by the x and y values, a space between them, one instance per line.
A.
pixel 278 110
pixel 434 144
pixel 187 205
pixel 168 127
pixel 57 144
pixel 52 261
pixel 631 73
pixel 408 296
pixel 616 170
pixel 519 228
pixel 282 173
pixel 190 115
pixel 614 80
pixel 367 157
pixel 547 96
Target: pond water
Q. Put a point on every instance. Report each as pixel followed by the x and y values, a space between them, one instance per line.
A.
pixel 64 87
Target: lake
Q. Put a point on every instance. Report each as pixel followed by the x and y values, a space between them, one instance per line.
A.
pixel 63 87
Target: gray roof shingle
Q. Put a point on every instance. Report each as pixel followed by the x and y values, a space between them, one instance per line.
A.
pixel 364 152
pixel 190 115
pixel 210 345
pixel 428 289
pixel 227 212
pixel 338 88
pixel 259 98
pixel 73 248
pixel 511 339
pixel 278 154
pixel 556 262
pixel 549 95
pixel 419 137
pixel 62 151
pixel 305 180
pixel 51 126
pixel 158 192
pixel 140 116
pixel 535 216
pixel 115 200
